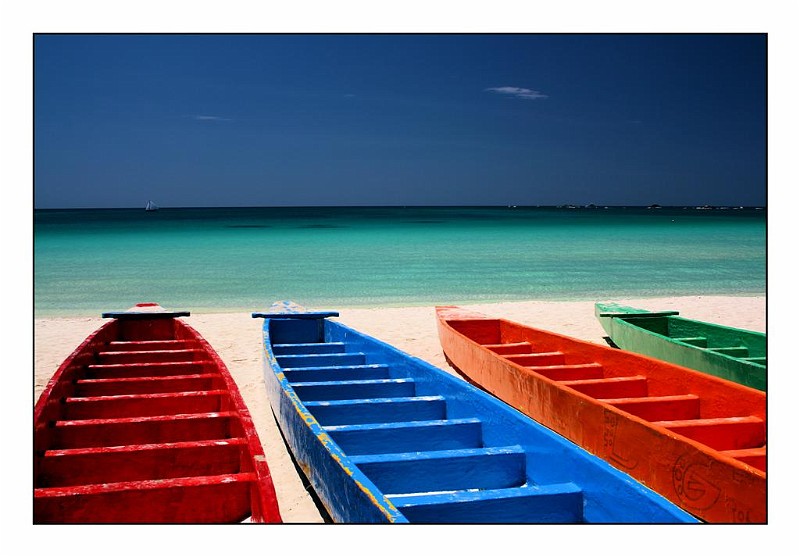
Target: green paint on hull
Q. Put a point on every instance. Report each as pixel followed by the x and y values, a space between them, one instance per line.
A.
pixel 733 354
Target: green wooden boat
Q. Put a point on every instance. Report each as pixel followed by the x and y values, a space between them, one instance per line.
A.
pixel 727 352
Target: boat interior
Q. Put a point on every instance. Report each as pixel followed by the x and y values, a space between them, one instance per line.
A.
pixel 743 345
pixel 437 453
pixel 141 427
pixel 692 404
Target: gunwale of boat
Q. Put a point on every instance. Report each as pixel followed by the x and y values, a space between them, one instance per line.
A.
pixel 328 402
pixel 143 423
pixel 608 392
pixel 728 352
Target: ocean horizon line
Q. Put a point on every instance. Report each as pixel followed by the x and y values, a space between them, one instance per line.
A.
pixel 560 206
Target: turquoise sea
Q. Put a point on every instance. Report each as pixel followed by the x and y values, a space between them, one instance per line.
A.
pixel 203 259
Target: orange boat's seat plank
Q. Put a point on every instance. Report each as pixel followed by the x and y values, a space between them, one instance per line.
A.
pixel 757 458
pixel 659 408
pixel 721 434
pixel 570 372
pixel 537 358
pixel 510 348
pixel 612 387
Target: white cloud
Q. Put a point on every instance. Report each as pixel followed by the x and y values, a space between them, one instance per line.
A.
pixel 204 117
pixel 519 92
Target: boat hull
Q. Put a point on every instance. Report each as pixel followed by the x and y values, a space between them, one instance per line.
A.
pixel 734 354
pixel 143 423
pixel 698 440
pixel 387 438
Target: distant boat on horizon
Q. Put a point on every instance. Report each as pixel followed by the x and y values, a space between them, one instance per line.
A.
pixel 151 206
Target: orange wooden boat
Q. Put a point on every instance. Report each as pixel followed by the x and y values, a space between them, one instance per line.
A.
pixel 143 423
pixel 696 439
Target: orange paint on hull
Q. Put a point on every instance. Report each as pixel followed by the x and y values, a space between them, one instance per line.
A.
pixel 698 440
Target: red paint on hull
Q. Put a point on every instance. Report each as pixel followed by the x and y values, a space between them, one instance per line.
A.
pixel 698 440
pixel 143 423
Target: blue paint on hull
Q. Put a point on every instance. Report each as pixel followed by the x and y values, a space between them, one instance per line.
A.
pixel 408 442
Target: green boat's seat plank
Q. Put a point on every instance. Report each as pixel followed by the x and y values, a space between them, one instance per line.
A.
pixel 336 373
pixel 427 471
pixel 378 410
pixel 613 387
pixel 701 342
pixel 734 351
pixel 431 435
pixel 537 358
pixel 623 314
pixel 722 434
pixel 570 372
pixel 757 360
pixel 659 408
pixel 348 390
pixel 510 348
pixel 308 348
pixel 556 504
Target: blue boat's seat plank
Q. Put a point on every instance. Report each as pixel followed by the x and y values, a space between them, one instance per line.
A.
pixel 555 504
pixel 308 348
pixel 343 390
pixel 378 410
pixel 432 435
pixel 317 360
pixel 426 471
pixel 336 373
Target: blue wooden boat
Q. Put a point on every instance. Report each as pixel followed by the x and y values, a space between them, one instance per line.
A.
pixel 384 437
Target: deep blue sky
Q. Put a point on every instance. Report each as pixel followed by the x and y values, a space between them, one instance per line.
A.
pixel 261 120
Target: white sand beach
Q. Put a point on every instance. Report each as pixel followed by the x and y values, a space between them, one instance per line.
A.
pixel 237 338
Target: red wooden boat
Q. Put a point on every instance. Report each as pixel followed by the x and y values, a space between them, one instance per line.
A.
pixel 143 423
pixel 697 439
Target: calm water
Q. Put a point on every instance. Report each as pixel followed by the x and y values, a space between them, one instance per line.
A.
pixel 89 261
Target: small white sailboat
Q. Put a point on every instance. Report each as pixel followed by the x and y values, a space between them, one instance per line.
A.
pixel 151 206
